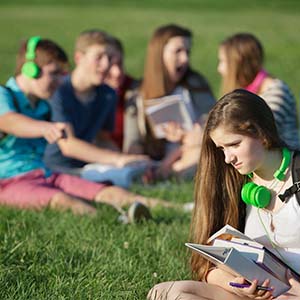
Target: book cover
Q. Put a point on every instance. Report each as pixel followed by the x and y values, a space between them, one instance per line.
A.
pixel 166 109
pixel 231 260
pixel 228 232
pixel 260 255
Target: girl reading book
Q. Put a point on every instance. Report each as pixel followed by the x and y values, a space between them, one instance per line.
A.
pixel 245 166
pixel 168 72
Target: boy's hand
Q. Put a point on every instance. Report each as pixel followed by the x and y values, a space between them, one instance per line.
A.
pixel 53 131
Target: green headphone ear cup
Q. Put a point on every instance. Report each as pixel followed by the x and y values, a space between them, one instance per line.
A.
pixel 31 69
pixel 261 196
pixel 255 195
pixel 246 190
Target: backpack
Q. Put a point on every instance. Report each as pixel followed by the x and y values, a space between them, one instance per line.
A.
pixel 295 188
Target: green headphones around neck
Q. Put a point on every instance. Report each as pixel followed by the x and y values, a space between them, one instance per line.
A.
pixel 259 195
pixel 30 68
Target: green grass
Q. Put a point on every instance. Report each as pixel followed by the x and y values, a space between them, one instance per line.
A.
pixel 50 255
pixel 274 22
pixel 53 255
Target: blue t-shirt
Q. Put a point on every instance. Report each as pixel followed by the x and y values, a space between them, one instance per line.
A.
pixel 21 155
pixel 87 118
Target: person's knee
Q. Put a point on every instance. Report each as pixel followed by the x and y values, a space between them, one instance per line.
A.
pixel 162 291
pixel 110 193
pixel 155 292
pixel 56 200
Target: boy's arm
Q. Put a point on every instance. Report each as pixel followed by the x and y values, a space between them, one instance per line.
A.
pixel 84 151
pixel 25 127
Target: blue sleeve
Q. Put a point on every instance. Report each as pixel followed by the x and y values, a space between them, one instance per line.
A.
pixel 109 123
pixel 6 102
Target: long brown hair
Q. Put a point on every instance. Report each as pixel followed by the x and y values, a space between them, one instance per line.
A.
pixel 217 184
pixel 245 55
pixel 156 82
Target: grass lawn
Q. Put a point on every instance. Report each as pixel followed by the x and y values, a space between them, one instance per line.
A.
pixel 51 255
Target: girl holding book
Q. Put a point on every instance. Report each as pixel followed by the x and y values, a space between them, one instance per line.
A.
pixel 240 148
pixel 241 58
pixel 167 72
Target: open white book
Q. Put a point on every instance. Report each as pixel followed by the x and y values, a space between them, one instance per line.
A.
pixel 239 255
pixel 160 111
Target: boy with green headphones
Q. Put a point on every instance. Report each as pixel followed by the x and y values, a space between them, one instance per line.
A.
pixel 24 122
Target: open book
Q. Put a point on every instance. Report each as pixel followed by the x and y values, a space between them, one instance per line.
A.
pixel 239 255
pixel 160 111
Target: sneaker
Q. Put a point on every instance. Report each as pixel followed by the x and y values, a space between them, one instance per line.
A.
pixel 136 213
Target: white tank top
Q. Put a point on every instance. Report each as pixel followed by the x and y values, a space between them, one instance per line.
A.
pixel 286 230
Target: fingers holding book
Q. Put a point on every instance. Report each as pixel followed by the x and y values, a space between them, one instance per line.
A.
pixel 173 131
pixel 252 290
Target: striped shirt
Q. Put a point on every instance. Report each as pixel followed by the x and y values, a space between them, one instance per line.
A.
pixel 282 103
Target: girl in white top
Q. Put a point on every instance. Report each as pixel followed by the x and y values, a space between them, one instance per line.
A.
pixel 240 138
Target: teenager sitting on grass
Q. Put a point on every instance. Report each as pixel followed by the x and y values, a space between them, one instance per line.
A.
pixel 88 106
pixel 168 72
pixel 24 122
pixel 243 168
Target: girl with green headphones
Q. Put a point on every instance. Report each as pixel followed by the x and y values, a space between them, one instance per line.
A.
pixel 243 168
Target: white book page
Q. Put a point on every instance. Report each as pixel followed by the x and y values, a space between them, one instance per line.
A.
pixel 228 232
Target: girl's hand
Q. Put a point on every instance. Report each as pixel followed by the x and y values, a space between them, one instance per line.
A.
pixel 173 132
pixel 193 137
pixel 252 292
pixel 295 284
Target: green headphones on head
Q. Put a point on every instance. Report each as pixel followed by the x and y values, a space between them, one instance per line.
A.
pixel 30 68
pixel 259 195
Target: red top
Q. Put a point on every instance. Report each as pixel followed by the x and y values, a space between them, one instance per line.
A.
pixel 118 134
